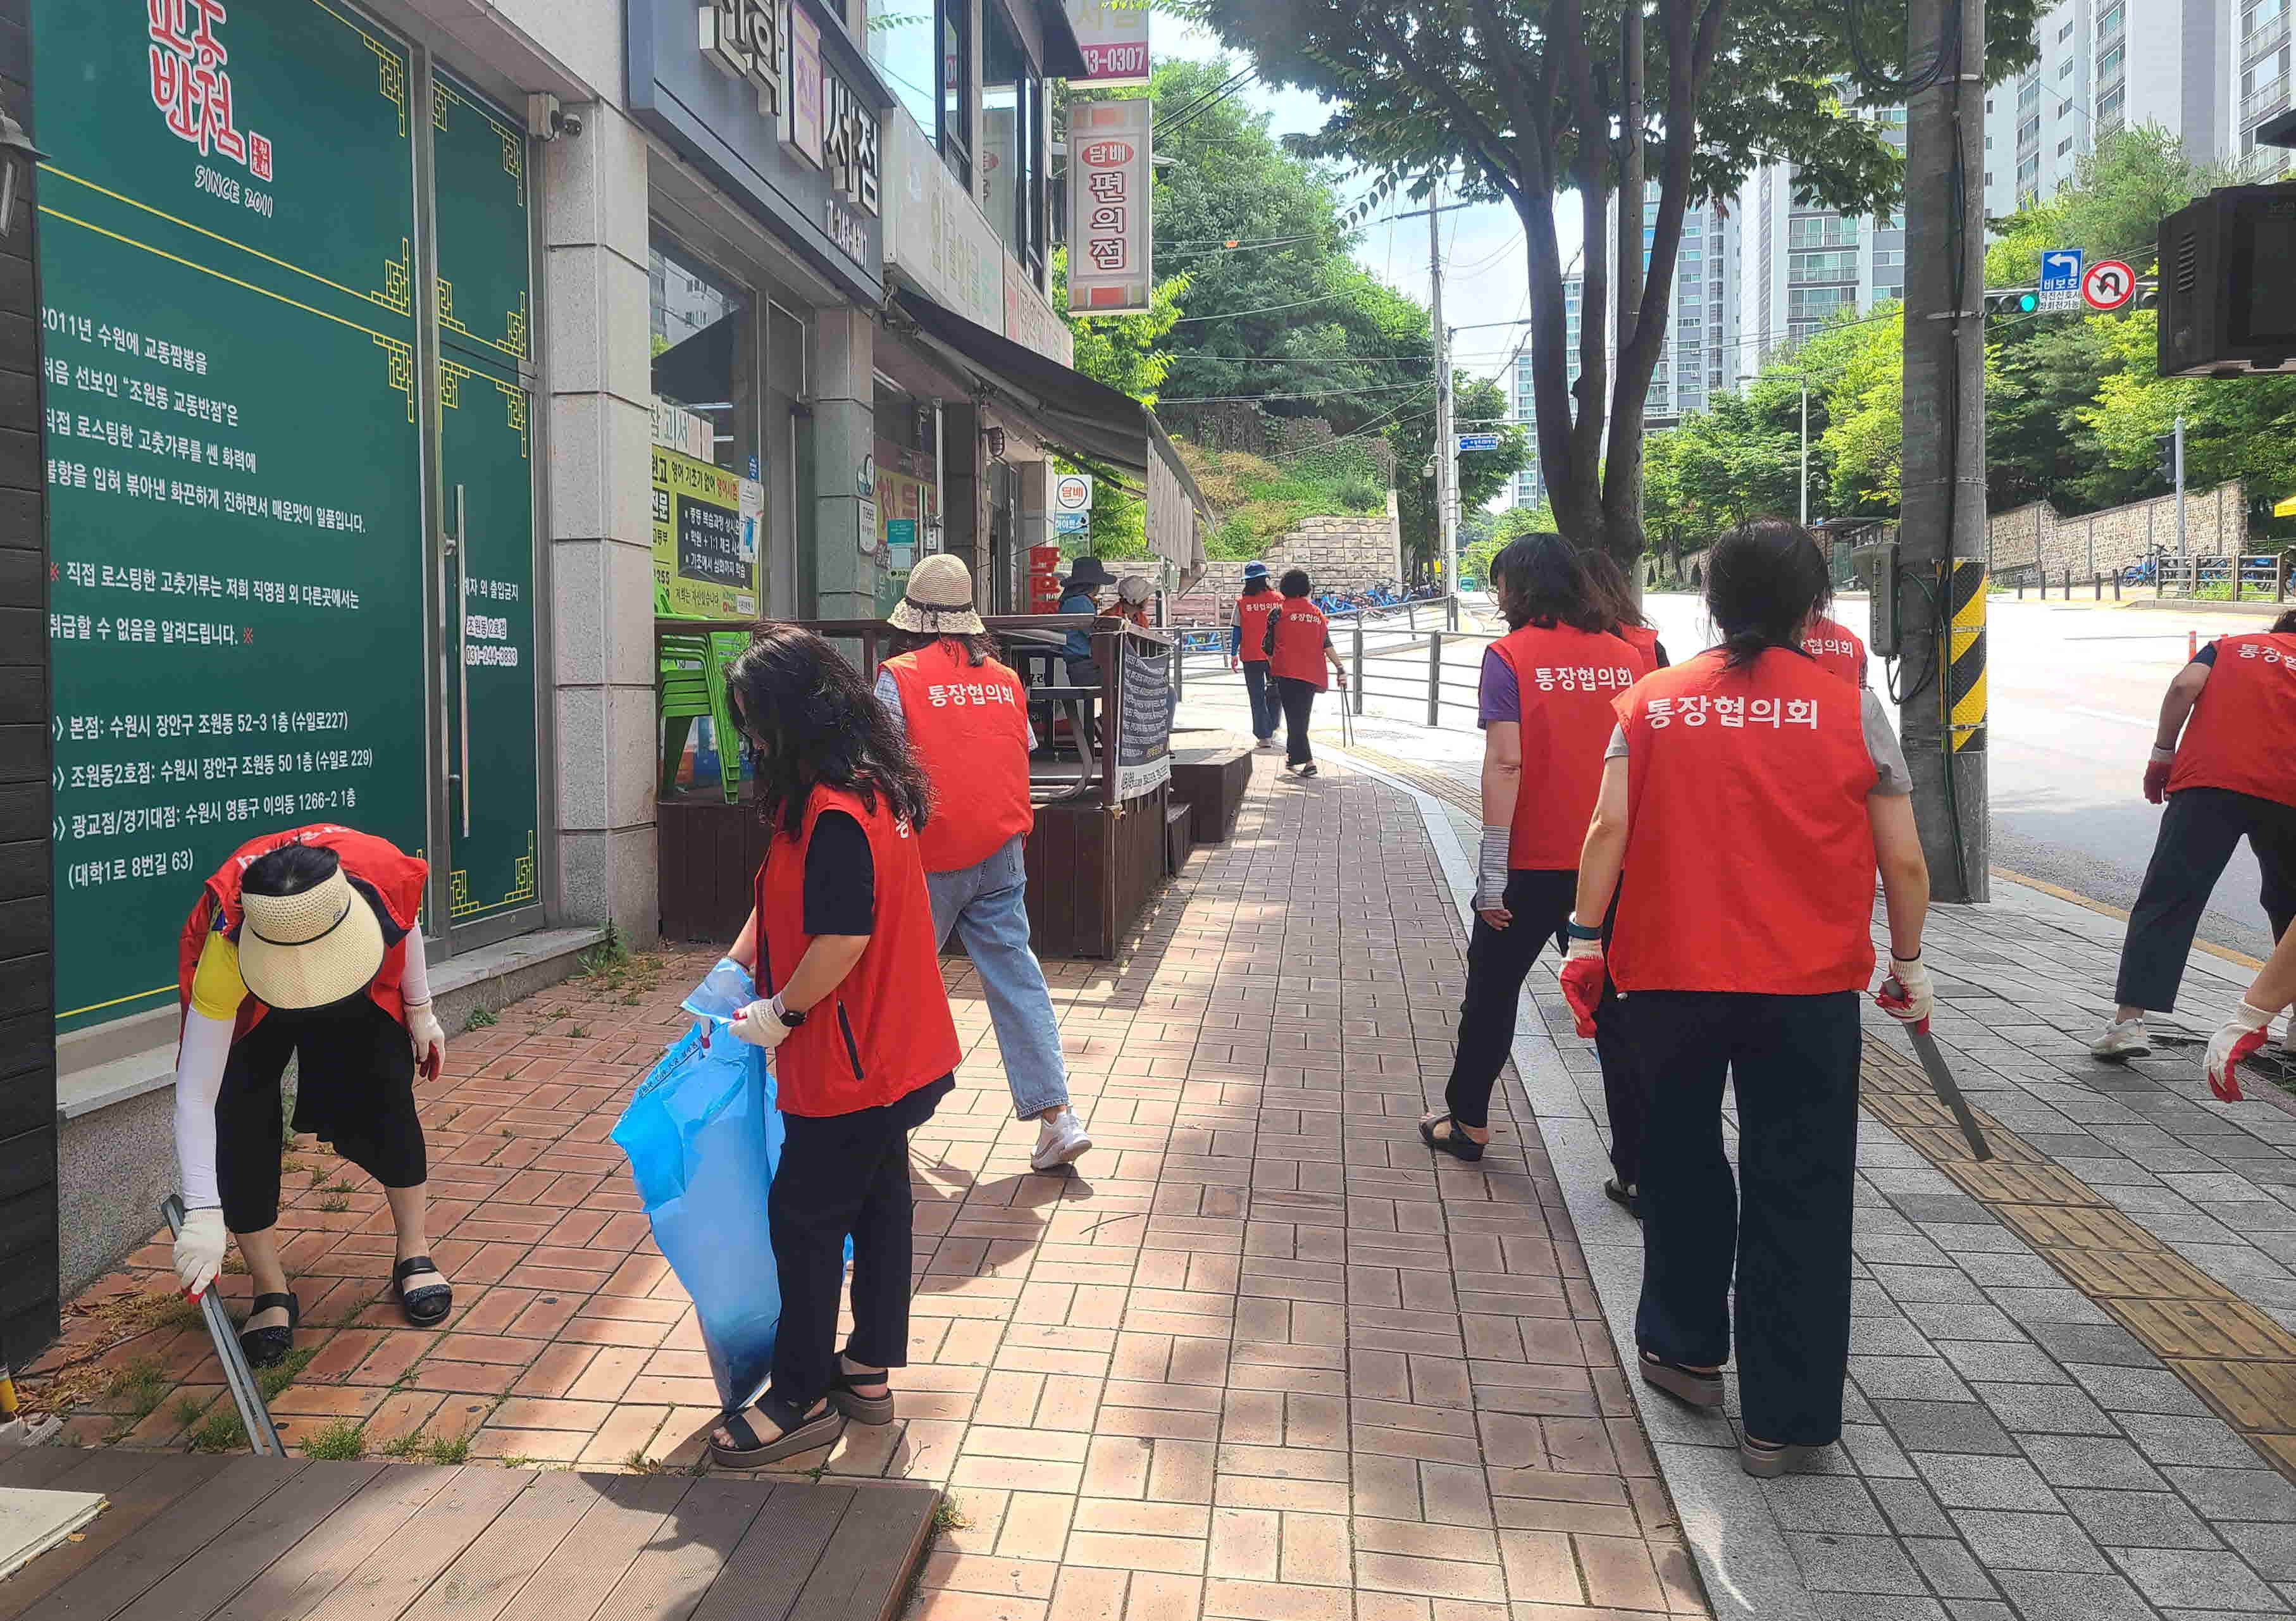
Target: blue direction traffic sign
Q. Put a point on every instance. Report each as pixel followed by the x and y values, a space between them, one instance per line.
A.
pixel 2061 270
pixel 1479 441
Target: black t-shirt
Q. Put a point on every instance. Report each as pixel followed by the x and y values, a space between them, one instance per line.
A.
pixel 840 878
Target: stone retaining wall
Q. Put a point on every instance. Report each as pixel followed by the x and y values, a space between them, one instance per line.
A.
pixel 1339 554
pixel 2026 539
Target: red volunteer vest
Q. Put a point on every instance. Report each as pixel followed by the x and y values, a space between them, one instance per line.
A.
pixel 969 725
pixel 377 863
pixel 1301 631
pixel 1837 650
pixel 1566 682
pixel 886 1030
pixel 1252 613
pixel 1644 640
pixel 1750 862
pixel 2243 733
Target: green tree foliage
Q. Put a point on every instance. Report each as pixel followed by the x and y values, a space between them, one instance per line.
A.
pixel 2235 427
pixel 1483 474
pixel 1539 98
pixel 1131 354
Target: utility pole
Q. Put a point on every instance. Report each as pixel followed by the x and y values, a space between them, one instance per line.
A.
pixel 2180 487
pixel 1941 535
pixel 1446 439
pixel 1805 453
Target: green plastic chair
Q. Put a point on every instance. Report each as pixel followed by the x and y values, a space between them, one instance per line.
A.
pixel 690 682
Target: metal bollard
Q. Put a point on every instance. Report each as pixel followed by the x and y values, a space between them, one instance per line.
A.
pixel 1434 675
pixel 1355 682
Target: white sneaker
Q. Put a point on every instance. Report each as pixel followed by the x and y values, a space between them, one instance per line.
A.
pixel 1060 1140
pixel 2122 1040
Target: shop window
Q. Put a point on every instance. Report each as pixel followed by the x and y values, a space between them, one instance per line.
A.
pixel 704 358
pixel 901 49
pixel 1011 112
pixel 956 83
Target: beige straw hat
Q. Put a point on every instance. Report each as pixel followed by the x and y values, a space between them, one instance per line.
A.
pixel 939 599
pixel 309 949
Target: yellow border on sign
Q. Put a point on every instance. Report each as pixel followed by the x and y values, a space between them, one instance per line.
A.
pixel 97 1007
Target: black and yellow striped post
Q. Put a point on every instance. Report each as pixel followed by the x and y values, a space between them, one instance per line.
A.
pixel 1963 690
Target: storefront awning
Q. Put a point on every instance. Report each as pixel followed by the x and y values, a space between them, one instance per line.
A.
pixel 1086 418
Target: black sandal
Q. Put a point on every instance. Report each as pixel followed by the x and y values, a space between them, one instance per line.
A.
pixel 267 1347
pixel 810 1433
pixel 1624 1195
pixel 1455 1143
pixel 862 1409
pixel 425 1307
pixel 1699 1387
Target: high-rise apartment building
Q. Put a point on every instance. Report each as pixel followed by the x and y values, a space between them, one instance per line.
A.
pixel 1798 265
pixel 2260 55
pixel 1529 483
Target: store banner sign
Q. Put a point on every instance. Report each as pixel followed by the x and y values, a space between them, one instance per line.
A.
pixel 796 143
pixel 934 233
pixel 1143 743
pixel 1110 272
pixel 1030 320
pixel 1114 36
pixel 706 521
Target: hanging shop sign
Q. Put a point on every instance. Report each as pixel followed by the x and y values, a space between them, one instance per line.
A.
pixel 1113 35
pixel 934 235
pixel 1109 227
pixel 798 147
pixel 705 539
pixel 1030 320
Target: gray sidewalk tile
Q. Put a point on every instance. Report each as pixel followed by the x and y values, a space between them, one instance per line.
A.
pixel 2092 1461
pixel 1961 1481
pixel 2175 1440
pixel 2140 1519
pixel 2250 1492
pixel 2006 1540
pixel 2138 1389
pixel 2054 1304
pixel 2045 1409
pixel 1921 1377
pixel 1946 1427
pixel 1952 1572
pixel 1834 1503
pixel 1834 1563
pixel 2270 1548
pixel 2083 1342
pixel 2167 1576
pixel 1997 1360
pixel 2054 1596
pixel 1911 1509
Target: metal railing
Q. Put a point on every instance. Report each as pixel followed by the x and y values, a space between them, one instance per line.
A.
pixel 1392 652
pixel 2260 577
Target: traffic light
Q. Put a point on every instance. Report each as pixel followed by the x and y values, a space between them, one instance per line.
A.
pixel 2228 284
pixel 2012 301
pixel 2164 463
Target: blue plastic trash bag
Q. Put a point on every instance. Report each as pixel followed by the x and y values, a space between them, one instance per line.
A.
pixel 724 991
pixel 703 1136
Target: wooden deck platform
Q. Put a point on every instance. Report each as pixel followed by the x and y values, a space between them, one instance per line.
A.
pixel 194 1538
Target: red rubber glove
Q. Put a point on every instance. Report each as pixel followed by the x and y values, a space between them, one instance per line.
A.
pixel 1582 983
pixel 2156 774
pixel 2242 1034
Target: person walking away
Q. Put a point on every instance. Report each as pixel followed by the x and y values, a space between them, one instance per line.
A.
pixel 1749 798
pixel 864 1046
pixel 1247 645
pixel 1614 593
pixel 2232 774
pixel 305 945
pixel 966 719
pixel 1298 642
pixel 1545 707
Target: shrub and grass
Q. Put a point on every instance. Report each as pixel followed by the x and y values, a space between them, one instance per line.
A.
pixel 1261 501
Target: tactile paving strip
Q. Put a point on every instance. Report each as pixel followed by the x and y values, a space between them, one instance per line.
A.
pixel 2237 1359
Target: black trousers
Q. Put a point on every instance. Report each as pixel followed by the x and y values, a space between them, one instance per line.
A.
pixel 1626 1088
pixel 1256 687
pixel 1785 1223
pixel 1498 959
pixel 841 1174
pixel 2199 831
pixel 1298 698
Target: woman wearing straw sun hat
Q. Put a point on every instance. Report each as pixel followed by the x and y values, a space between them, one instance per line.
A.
pixel 304 944
pixel 967 721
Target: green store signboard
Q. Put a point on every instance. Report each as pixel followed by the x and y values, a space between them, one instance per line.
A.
pixel 236 473
pixel 705 538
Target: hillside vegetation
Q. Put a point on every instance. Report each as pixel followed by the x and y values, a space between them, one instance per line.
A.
pixel 1258 500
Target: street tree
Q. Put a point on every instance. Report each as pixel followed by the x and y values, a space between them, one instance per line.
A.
pixel 1531 100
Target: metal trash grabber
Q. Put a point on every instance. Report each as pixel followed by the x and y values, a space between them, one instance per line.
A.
pixel 262 1435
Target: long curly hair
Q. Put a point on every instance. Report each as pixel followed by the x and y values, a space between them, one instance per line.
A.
pixel 813 720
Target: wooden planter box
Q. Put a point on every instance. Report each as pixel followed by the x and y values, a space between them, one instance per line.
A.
pixel 1212 783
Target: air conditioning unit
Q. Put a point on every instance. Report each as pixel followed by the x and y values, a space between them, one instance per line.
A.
pixel 2227 304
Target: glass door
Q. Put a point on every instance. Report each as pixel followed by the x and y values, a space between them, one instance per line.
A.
pixel 485 399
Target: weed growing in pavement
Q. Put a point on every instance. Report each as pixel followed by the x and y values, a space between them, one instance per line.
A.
pixel 948 1516
pixel 186 1410
pixel 338 1442
pixel 612 952
pixel 334 1203
pixel 318 1176
pixel 288 1165
pixel 638 1463
pixel 402 1447
pixel 221 1431
pixel 144 1385
pixel 480 1018
pixel 577 1034
pixel 279 1375
pixel 516 1461
pixel 447 1449
pixel 337 1186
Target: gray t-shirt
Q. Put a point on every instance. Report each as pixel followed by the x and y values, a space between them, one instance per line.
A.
pixel 1882 746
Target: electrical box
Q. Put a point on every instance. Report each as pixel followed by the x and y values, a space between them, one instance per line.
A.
pixel 2227 305
pixel 1877 566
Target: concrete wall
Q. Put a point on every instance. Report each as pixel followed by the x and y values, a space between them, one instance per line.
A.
pixel 1339 553
pixel 2029 539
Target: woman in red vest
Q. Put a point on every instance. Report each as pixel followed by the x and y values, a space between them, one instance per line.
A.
pixel 1547 687
pixel 1837 649
pixel 855 1015
pixel 2231 775
pixel 1298 642
pixel 1253 610
pixel 1749 798
pixel 967 722
pixel 1614 595
pixel 305 945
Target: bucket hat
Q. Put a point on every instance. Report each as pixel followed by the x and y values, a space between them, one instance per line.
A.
pixel 1089 570
pixel 938 602
pixel 1255 570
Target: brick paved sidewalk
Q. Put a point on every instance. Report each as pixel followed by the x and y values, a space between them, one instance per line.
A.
pixel 1261 1360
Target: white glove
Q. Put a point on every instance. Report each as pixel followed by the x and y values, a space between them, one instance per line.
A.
pixel 1912 978
pixel 2242 1034
pixel 199 1249
pixel 760 1025
pixel 430 1040
pixel 1491 869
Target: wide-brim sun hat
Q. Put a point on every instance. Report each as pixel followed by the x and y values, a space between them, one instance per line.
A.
pixel 1255 571
pixel 309 949
pixel 1089 570
pixel 938 601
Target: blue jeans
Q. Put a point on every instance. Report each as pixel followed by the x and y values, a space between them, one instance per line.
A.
pixel 1261 691
pixel 986 905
